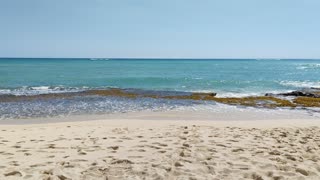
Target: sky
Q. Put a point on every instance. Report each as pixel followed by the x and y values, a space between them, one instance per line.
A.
pixel 160 28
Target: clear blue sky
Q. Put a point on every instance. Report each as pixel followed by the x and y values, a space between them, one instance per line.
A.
pixel 160 28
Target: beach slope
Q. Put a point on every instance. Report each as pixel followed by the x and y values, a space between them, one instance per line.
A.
pixel 149 149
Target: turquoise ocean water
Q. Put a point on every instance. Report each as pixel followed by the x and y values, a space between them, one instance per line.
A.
pixel 227 77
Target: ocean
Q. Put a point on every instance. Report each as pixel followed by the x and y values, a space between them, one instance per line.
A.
pixel 226 77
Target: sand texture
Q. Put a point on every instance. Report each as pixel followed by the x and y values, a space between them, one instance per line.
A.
pixel 132 149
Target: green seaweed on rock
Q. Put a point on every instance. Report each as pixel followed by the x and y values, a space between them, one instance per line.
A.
pixel 307 101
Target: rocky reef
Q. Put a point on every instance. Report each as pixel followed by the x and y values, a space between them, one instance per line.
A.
pixel 308 97
pixel 305 98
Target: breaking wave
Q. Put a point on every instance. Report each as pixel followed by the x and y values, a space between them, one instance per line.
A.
pixel 308 66
pixel 301 84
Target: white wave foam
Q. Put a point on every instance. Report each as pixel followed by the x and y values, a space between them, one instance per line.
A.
pixel 231 94
pixel 35 90
pixel 261 93
pixel 99 59
pixel 268 59
pixel 241 94
pixel 301 84
pixel 308 66
pixel 40 88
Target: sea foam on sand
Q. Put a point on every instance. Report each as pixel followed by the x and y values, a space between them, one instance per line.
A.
pixel 131 148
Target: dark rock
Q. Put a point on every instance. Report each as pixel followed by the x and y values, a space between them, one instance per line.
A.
pixel 305 93
pixel 294 93
pixel 205 94
pixel 270 94
pixel 314 88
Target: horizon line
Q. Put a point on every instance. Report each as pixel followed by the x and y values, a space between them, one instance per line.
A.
pixel 158 58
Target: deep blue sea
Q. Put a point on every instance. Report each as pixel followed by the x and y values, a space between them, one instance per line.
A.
pixel 226 77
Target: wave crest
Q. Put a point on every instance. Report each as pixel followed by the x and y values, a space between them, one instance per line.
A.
pixel 301 84
pixel 308 66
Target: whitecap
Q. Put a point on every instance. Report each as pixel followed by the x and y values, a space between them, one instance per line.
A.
pixel 301 84
pixel 99 59
pixel 308 66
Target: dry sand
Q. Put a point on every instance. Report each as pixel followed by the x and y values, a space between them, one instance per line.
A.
pixel 160 149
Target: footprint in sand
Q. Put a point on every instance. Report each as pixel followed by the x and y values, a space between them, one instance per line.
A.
pixel 79 160
pixel 122 161
pixel 302 171
pixel 80 152
pixel 37 165
pixel 51 146
pixel 178 164
pixel 114 147
pixel 135 156
pixel 13 173
pixel 14 163
pixel 237 150
pixel 160 144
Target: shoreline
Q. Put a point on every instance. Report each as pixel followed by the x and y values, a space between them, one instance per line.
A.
pixel 115 100
pixel 135 122
pixel 225 113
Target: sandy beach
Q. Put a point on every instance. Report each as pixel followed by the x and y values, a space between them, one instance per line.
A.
pixel 159 90
pixel 137 148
